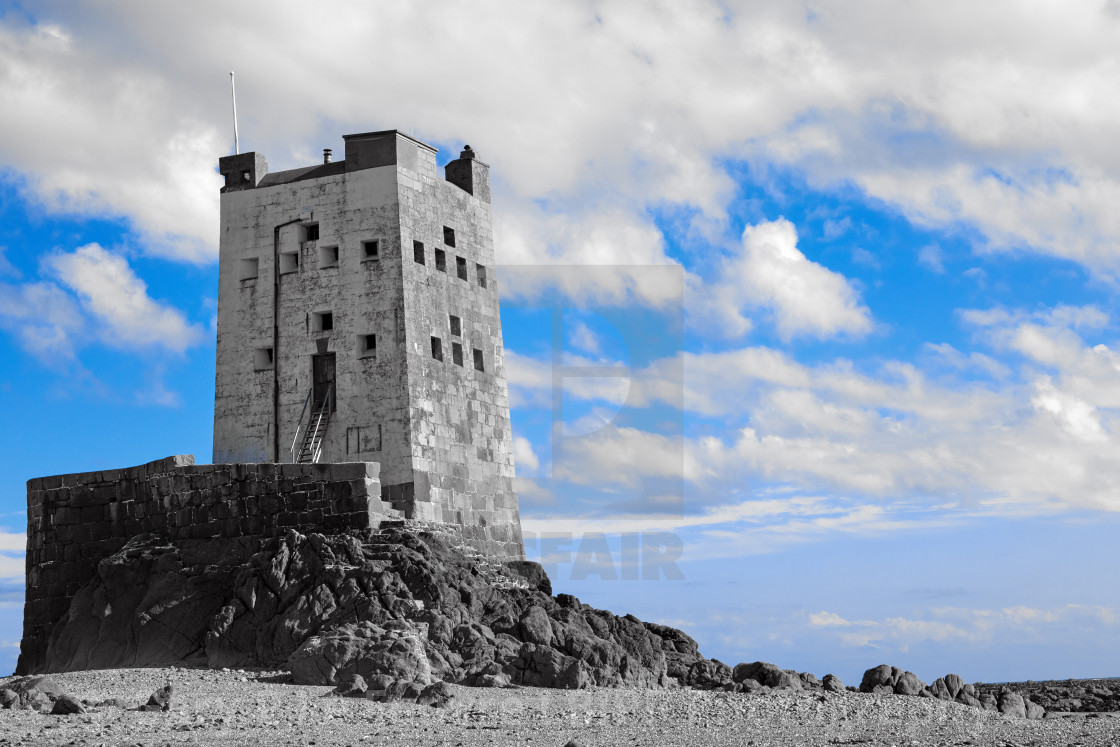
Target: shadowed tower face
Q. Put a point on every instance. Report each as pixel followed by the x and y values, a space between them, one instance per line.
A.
pixel 358 321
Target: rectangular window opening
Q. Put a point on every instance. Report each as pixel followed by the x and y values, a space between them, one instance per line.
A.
pixel 328 256
pixel 322 321
pixel 478 361
pixel 457 353
pixel 449 236
pixel 367 346
pixel 371 249
pixel 289 262
pixel 249 268
pixel 418 252
pixel 456 326
pixel 437 349
pixel 441 260
pixel 311 232
pixel 461 268
pixel 262 359
pixel 481 271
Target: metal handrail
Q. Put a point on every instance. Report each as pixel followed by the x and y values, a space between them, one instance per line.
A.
pixel 317 437
pixel 299 423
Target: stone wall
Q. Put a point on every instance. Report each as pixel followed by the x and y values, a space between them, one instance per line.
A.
pixel 75 521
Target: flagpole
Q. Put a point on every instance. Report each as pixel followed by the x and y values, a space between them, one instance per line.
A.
pixel 233 92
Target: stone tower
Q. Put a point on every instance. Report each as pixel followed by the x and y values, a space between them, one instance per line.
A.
pixel 358 322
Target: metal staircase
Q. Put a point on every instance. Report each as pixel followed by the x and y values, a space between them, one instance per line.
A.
pixel 311 447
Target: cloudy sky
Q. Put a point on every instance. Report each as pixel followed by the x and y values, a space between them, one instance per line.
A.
pixel 829 290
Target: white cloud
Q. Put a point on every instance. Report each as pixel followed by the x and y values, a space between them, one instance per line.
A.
pixel 112 294
pixel 769 272
pixel 990 114
pixel 1017 624
pixel 44 318
pixel 524 457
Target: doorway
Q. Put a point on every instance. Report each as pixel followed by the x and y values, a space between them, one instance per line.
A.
pixel 322 377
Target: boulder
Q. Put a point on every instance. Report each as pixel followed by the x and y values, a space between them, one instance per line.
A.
pixel 435 695
pixel 988 702
pixel 160 700
pixel 767 674
pixel 1011 704
pixel 908 684
pixel 1034 710
pixel 353 686
pixel 940 690
pixel 67 705
pixel 364 649
pixel 966 698
pixel 832 684
pixel 882 676
pixel 954 684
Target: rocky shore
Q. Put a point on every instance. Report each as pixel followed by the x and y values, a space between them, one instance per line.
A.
pixel 215 707
pixel 383 626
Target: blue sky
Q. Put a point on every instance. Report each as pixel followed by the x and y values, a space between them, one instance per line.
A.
pixel 838 282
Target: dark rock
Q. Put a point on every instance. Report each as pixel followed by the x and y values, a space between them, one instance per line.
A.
pixel 966 698
pixel 361 648
pixel 940 690
pixel 879 677
pixel 908 684
pixel 573 743
pixel 66 705
pixel 767 674
pixel 809 681
pixel 398 603
pixel 8 696
pixel 435 695
pixel 832 684
pixel 988 702
pixel 353 686
pixel 954 683
pixel 535 627
pixel 160 700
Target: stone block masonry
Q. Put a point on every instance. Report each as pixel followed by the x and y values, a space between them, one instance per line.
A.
pixel 76 521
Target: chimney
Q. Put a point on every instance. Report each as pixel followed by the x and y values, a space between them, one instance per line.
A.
pixel 326 155
pixel 469 174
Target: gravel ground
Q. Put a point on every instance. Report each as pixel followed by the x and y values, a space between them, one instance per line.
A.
pixel 254 709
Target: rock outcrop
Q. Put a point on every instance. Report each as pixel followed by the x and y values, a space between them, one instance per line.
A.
pixel 396 603
pixel 887 679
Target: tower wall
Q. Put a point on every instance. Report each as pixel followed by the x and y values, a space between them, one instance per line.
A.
pixel 343 256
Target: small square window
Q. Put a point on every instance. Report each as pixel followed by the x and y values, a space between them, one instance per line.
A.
pixel 449 236
pixel 246 177
pixel 478 360
pixel 322 321
pixel 367 346
pixel 262 359
pixel 289 262
pixel 249 268
pixel 456 326
pixel 481 272
pixel 457 353
pixel 418 252
pixel 311 232
pixel 461 268
pixel 441 260
pixel 437 349
pixel 371 249
pixel 328 256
